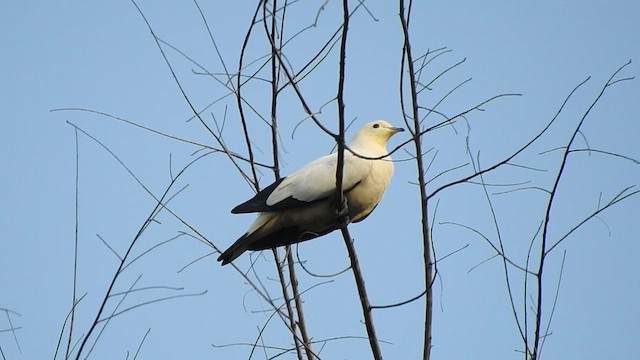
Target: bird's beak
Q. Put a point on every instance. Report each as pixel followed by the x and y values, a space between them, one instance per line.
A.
pixel 396 129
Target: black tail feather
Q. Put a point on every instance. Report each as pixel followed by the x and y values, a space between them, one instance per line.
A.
pixel 281 237
pixel 235 250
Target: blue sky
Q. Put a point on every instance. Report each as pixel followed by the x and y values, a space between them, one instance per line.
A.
pixel 100 56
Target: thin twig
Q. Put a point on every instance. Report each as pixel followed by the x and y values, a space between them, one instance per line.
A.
pixel 135 356
pixel 64 325
pixel 75 246
pixel 501 252
pixel 238 94
pixel 186 97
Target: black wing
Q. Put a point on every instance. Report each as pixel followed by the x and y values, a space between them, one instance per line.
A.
pixel 258 203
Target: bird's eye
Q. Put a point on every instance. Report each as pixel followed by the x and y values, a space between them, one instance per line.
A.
pixel 375 126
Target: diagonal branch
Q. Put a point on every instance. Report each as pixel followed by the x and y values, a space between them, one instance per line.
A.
pixel 514 154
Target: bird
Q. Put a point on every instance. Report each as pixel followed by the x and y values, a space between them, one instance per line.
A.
pixel 303 206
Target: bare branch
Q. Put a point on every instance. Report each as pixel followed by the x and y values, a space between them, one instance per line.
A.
pixel 514 154
pixel 618 198
pixel 415 129
pixel 200 145
pixel 340 200
pixel 555 302
pixel 547 216
pixel 75 247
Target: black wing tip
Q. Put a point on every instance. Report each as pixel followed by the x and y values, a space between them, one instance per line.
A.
pixel 239 209
pixel 258 203
pixel 249 207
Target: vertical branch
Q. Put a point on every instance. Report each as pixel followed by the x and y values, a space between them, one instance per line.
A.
pixel 75 249
pixel 302 324
pixel 287 301
pixel 340 136
pixel 274 87
pixel 341 203
pixel 428 264
pixel 555 302
pixel 306 343
pixel 271 33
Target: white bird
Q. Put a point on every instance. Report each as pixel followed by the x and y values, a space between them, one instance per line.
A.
pixel 302 206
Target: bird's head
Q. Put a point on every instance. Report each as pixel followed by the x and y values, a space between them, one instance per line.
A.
pixel 376 132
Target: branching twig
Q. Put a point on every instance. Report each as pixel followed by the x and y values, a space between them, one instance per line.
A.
pixel 547 215
pixel 150 217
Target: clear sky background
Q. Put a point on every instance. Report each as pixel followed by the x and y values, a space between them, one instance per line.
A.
pixel 100 56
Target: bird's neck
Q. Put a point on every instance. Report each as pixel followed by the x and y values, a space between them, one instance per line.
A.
pixel 368 148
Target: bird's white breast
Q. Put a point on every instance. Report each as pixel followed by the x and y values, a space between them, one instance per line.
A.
pixel 364 197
